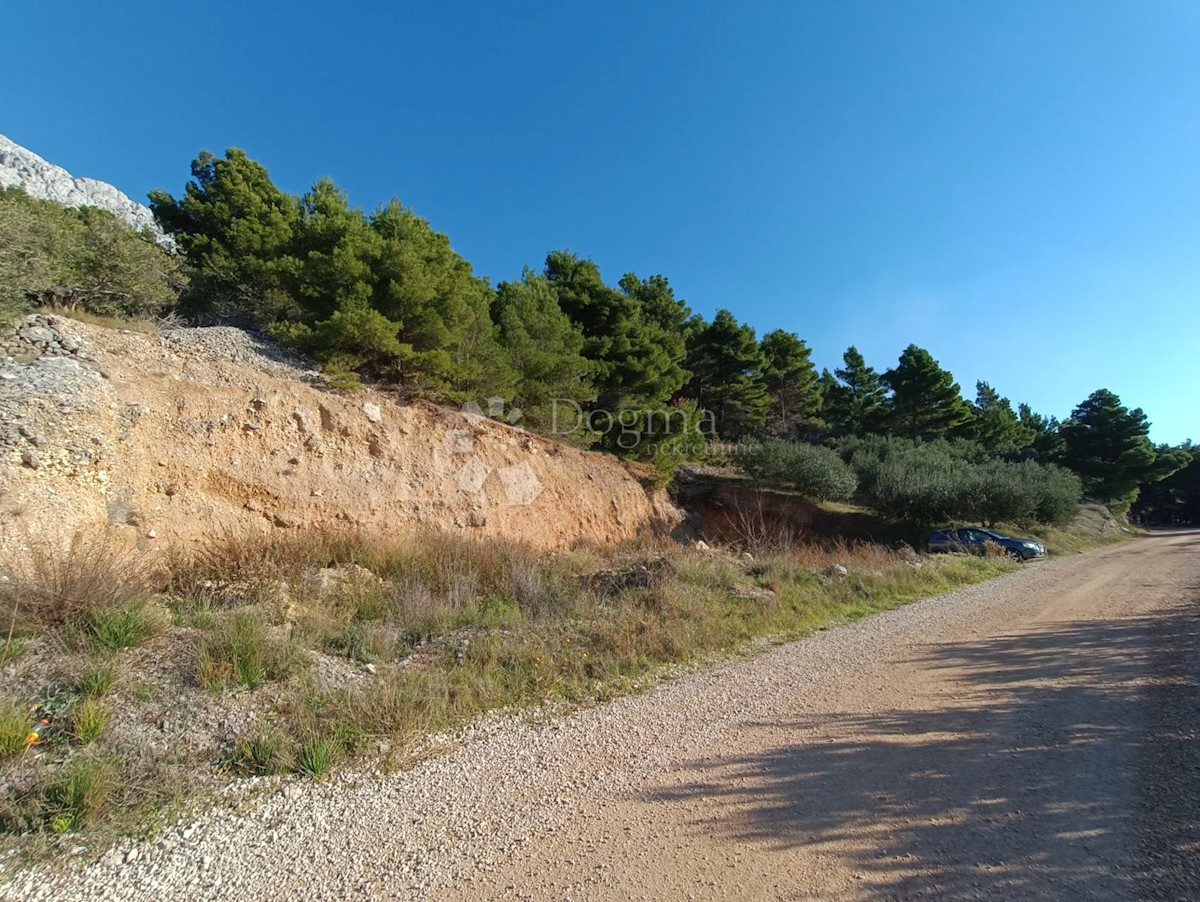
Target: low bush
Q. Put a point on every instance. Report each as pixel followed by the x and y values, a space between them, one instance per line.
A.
pixel 816 473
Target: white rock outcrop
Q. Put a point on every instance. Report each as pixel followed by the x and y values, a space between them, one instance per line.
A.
pixel 41 179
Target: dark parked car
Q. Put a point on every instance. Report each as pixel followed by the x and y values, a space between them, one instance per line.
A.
pixel 974 540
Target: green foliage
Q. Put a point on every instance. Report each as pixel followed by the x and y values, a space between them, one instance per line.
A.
pixel 926 402
pixel 236 229
pixel 637 360
pixel 816 473
pixel 938 481
pixel 791 381
pixel 123 627
pixel 1108 445
pixel 545 348
pixel 83 259
pixel 96 679
pixel 727 376
pixel 995 425
pixel 78 793
pixel 854 398
pixel 1176 498
pixel 261 754
pixel 316 756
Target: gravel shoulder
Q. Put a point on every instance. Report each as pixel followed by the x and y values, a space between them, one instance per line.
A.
pixel 1031 737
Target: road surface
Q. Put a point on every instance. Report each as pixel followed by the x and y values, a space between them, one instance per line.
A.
pixel 1045 746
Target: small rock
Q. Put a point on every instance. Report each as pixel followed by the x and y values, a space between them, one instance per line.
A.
pixel 132 855
pixel 151 534
pixel 286 521
pixel 702 545
pixel 836 572
pixel 370 669
pixel 31 459
pixel 373 412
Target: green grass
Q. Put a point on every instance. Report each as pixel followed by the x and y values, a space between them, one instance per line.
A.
pixel 88 720
pixel 79 793
pixel 316 756
pixel 241 650
pixel 125 627
pixel 15 723
pixel 96 679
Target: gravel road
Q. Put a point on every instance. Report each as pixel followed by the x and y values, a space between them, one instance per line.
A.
pixel 1033 737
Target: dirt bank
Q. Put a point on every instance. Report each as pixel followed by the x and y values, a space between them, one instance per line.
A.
pixel 167 438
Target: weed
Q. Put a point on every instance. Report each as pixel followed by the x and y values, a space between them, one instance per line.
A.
pixel 78 793
pixel 75 585
pixel 316 756
pixel 124 627
pixel 15 721
pixel 96 679
pixel 260 754
pixel 88 720
pixel 242 651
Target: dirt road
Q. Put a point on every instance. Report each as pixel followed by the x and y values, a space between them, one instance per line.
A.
pixel 1034 737
pixel 1044 745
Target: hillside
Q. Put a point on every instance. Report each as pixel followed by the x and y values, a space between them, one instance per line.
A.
pixel 168 438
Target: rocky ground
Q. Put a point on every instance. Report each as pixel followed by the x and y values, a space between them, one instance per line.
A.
pixel 1032 737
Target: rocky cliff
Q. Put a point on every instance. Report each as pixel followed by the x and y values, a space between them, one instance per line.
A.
pixel 168 438
pixel 41 179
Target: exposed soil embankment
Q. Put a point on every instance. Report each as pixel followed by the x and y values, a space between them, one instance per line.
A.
pixel 177 436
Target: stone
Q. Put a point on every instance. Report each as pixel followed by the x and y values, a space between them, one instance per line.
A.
pixel 702 545
pixel 330 581
pixel 373 412
pixel 370 669
pixel 836 572
pixel 38 178
pixel 286 521
pixel 31 459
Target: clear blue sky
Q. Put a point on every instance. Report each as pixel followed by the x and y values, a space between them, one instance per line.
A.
pixel 1015 186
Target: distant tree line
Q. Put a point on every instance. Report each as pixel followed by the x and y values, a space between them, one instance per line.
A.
pixel 384 297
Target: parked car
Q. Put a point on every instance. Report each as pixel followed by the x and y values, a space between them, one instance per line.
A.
pixel 974 540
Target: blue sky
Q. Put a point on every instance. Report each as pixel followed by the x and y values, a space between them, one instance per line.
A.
pixel 1014 186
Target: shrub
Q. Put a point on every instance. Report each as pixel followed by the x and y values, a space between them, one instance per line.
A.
pixel 80 259
pixel 817 473
pixel 242 651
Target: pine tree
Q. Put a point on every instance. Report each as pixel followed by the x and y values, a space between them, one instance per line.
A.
pixel 727 376
pixel 545 348
pixel 1109 446
pixel 637 361
pixel 926 402
pixel 793 387
pixel 442 308
pixel 994 423
pixel 854 398
pixel 236 229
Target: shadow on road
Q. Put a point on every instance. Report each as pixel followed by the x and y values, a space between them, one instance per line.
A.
pixel 1061 764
